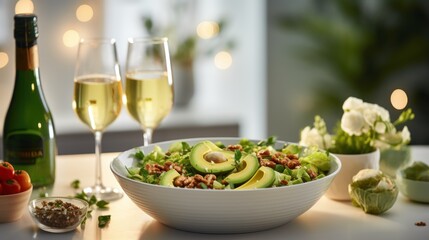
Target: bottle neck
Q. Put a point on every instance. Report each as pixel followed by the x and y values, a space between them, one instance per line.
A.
pixel 27 58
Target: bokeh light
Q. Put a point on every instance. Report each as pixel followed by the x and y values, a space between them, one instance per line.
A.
pixel 24 6
pixel 84 13
pixel 207 29
pixel 71 38
pixel 223 60
pixel 399 99
pixel 4 59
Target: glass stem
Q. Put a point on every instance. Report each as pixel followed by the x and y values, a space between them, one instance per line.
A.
pixel 98 177
pixel 147 136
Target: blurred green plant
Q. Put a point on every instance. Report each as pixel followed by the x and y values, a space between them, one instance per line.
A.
pixel 186 46
pixel 362 44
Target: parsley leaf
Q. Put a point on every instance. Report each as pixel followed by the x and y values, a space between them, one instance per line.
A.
pixel 237 157
pixel 102 204
pixel 43 192
pixel 269 142
pixel 75 184
pixel 139 154
pixel 185 147
pixel 103 221
pixel 92 200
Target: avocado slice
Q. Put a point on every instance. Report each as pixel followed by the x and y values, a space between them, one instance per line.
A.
pixel 263 178
pixel 167 178
pixel 250 165
pixel 206 157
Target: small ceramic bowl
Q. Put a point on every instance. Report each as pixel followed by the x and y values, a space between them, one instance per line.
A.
pixel 414 190
pixel 58 214
pixel 12 206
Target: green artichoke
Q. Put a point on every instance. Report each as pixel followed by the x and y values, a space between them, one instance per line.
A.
pixel 373 191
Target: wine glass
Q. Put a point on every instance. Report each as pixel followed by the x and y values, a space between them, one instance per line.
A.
pixel 97 99
pixel 149 83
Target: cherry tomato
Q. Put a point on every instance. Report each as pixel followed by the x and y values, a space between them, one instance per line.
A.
pixel 6 171
pixel 23 178
pixel 11 186
pixel 1 189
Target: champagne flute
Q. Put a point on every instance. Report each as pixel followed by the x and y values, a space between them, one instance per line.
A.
pixel 97 99
pixel 149 83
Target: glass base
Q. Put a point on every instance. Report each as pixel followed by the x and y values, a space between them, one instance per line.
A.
pixel 104 193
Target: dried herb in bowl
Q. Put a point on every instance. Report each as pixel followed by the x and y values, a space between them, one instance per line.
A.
pixel 58 214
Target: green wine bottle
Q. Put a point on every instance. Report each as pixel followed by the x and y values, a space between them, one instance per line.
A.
pixel 28 131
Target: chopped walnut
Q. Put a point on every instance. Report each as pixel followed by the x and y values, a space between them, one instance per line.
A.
pixel 156 168
pixel 263 154
pixel 267 163
pixel 292 164
pixel 420 224
pixel 234 147
pixel 194 181
pixel 284 182
pixel 287 160
pixel 312 174
pixel 179 181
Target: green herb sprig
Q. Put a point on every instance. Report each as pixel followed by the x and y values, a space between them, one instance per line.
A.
pixel 92 202
pixel 237 158
pixel 103 220
pixel 75 184
pixel 101 204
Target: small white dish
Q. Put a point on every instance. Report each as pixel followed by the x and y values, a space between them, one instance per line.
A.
pixel 414 190
pixel 13 206
pixel 58 214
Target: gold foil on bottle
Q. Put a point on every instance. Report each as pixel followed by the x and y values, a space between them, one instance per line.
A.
pixel 27 58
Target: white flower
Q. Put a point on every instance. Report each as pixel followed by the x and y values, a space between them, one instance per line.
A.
pixel 382 112
pixel 369 115
pixel 353 122
pixel 392 138
pixel 327 141
pixel 406 135
pixel 369 122
pixel 380 127
pixel 352 103
pixel 373 112
pixel 312 137
pixel 381 145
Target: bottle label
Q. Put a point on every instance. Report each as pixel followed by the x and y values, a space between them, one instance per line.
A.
pixel 24 149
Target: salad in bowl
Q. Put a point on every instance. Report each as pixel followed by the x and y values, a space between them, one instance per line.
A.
pixel 240 166
pixel 224 185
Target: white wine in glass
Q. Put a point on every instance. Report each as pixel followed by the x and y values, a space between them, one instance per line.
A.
pixel 149 83
pixel 97 99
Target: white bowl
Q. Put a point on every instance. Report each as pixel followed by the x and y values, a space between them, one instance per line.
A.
pixel 13 206
pixel 417 191
pixel 220 211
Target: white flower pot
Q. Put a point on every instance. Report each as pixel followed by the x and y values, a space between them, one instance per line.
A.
pixel 351 164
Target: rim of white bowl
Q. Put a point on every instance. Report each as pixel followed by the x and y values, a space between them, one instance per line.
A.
pixel 17 194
